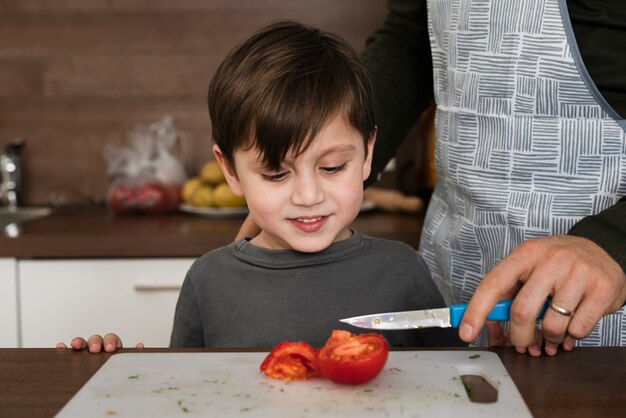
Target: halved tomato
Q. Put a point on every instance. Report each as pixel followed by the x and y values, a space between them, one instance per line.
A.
pixel 352 359
pixel 291 361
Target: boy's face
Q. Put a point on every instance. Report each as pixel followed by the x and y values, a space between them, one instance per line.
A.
pixel 311 200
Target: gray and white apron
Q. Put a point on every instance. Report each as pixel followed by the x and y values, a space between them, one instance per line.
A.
pixel 526 145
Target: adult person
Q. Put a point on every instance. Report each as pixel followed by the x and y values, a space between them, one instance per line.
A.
pixel 530 156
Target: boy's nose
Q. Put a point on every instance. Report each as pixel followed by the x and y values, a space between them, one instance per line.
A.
pixel 307 192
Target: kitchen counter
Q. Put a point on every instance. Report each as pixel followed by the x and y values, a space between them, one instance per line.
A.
pixel 587 382
pixel 90 232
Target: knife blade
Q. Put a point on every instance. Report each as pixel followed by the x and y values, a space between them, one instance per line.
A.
pixel 429 318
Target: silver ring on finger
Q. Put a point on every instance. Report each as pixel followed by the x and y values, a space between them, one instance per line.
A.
pixel 560 309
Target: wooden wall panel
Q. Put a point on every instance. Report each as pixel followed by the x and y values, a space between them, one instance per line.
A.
pixel 128 75
pixel 76 75
pixel 21 77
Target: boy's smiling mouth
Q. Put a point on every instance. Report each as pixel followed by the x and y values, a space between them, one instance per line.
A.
pixel 309 220
pixel 309 223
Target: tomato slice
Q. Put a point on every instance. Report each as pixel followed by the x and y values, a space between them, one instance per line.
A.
pixel 352 359
pixel 291 361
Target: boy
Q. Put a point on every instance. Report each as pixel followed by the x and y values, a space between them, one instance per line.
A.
pixel 293 124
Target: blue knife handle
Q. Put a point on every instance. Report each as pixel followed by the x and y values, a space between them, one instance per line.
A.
pixel 499 313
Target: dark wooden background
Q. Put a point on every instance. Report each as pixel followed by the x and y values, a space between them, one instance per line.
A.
pixel 78 74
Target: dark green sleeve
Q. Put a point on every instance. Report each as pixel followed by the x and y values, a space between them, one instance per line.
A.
pixel 607 229
pixel 400 64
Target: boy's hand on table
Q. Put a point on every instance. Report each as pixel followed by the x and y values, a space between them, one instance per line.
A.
pixel 498 337
pixel 96 343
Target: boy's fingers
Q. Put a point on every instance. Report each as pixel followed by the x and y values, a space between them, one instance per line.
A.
pixel 94 343
pixel 112 342
pixel 78 343
pixel 568 344
pixel 551 348
pixel 534 349
pixel 139 345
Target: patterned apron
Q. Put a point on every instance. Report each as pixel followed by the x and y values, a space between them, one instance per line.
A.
pixel 526 145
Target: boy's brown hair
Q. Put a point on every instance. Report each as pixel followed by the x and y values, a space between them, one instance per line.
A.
pixel 278 88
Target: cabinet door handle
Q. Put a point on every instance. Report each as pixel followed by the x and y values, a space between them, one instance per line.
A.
pixel 156 287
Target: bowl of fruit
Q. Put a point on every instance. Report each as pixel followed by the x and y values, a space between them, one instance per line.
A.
pixel 208 194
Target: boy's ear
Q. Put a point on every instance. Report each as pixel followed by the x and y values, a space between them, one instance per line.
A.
pixel 367 164
pixel 229 172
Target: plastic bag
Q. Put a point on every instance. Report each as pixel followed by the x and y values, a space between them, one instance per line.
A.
pixel 146 177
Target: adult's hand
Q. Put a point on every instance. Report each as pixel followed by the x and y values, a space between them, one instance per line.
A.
pixel 96 343
pixel 579 275
pixel 248 229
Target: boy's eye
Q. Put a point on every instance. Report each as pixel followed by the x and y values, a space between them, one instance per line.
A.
pixel 274 177
pixel 336 169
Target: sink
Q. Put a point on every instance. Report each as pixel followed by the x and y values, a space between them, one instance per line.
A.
pixel 21 214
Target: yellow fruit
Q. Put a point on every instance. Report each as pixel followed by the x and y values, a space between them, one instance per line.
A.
pixel 211 173
pixel 189 188
pixel 203 197
pixel 224 197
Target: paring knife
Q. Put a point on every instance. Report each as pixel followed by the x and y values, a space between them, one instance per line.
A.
pixel 428 318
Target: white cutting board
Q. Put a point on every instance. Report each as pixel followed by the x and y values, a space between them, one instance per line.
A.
pixel 412 384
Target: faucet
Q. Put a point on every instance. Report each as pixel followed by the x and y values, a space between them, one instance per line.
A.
pixel 11 170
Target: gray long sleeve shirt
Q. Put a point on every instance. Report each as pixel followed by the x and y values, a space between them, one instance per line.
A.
pixel 242 295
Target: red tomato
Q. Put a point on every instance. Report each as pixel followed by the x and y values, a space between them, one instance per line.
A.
pixel 290 361
pixel 352 359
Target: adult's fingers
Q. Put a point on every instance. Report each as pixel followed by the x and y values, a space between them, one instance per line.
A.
pixel 500 283
pixel 580 276
pixel 603 295
pixel 555 324
pixel 531 298
pixel 550 274
pixel 584 280
pixel 496 336
pixel 499 338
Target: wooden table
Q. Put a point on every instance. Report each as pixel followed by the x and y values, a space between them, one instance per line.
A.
pixel 587 382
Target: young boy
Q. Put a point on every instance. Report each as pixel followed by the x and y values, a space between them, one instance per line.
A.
pixel 293 124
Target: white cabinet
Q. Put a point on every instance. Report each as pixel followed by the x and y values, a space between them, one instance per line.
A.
pixel 135 298
pixel 8 303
